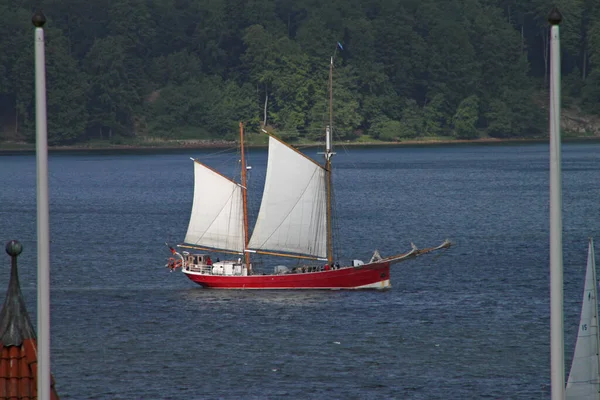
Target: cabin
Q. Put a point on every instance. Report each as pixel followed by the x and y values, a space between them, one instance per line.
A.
pixel 203 264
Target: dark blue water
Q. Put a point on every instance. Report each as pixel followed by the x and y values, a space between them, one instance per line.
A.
pixel 470 324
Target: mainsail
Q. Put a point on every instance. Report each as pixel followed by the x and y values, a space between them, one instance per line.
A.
pixel 583 382
pixel 293 212
pixel 217 214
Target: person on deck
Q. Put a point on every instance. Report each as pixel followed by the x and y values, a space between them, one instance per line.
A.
pixel 208 261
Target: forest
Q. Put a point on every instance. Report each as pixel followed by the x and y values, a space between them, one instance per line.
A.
pixel 120 70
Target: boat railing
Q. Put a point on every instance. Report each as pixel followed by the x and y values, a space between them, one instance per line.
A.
pixel 227 269
pixel 203 269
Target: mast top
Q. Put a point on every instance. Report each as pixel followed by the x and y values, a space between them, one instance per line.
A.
pixel 555 17
pixel 39 19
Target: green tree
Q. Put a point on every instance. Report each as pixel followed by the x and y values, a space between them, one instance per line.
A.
pixel 435 117
pixel 591 93
pixel 81 21
pixel 346 114
pixel 261 56
pixel 192 68
pixel 412 120
pixel 499 119
pixel 67 85
pixel 112 97
pixel 464 122
pixel 386 129
pixel 16 62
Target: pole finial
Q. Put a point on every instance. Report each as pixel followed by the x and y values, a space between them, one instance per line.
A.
pixel 38 19
pixel 14 248
pixel 555 17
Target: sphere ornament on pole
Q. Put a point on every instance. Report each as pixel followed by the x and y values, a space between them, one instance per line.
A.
pixel 38 19
pixel 14 248
pixel 555 17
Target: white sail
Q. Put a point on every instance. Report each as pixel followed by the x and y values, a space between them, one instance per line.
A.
pixel 217 213
pixel 292 216
pixel 584 382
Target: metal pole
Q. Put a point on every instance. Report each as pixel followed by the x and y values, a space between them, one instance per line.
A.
pixel 557 354
pixel 43 230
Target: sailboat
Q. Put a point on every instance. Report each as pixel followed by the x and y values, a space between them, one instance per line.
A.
pixel 584 378
pixel 294 220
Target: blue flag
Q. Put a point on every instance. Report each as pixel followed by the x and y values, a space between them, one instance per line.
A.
pixel 340 46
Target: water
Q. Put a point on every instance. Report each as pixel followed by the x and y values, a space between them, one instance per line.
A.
pixel 470 324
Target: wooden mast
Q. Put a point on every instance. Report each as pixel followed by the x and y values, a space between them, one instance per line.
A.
pixel 330 96
pixel 328 154
pixel 244 199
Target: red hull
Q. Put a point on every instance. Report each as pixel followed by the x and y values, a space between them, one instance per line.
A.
pixel 367 276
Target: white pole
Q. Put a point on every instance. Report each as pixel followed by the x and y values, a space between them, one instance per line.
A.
pixel 557 354
pixel 43 230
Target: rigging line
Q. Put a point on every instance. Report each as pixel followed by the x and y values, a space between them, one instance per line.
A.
pixel 245 197
pixel 335 222
pixel 293 206
pixel 346 152
pixel 282 98
pixel 223 165
pixel 290 147
pixel 308 128
pixel 223 150
pixel 208 248
pixel 231 222
pixel 304 76
pixel 220 211
pixel 217 154
pixel 441 253
pixel 322 214
pixel 317 169
pixel 233 163
pixel 213 170
pixel 300 132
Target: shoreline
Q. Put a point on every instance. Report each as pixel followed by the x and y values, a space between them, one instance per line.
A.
pixel 17 147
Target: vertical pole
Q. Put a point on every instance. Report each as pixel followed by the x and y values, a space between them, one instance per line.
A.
pixel 329 216
pixel 43 230
pixel 331 94
pixel 328 154
pixel 244 199
pixel 557 362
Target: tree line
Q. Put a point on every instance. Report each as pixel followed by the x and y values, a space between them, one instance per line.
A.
pixel 194 68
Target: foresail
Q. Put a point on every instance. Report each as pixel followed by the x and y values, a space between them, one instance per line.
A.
pixel 583 382
pixel 292 215
pixel 217 215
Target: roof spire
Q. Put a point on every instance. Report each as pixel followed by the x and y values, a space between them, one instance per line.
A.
pixel 18 344
pixel 15 325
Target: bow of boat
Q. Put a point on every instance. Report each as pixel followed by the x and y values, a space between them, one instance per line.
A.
pixel 415 252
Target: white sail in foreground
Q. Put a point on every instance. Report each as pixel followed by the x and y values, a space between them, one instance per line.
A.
pixel 584 380
pixel 293 211
pixel 217 213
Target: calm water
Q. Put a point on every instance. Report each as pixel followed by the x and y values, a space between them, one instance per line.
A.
pixel 470 324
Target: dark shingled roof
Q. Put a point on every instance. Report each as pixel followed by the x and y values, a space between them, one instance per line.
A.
pixel 18 344
pixel 15 325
